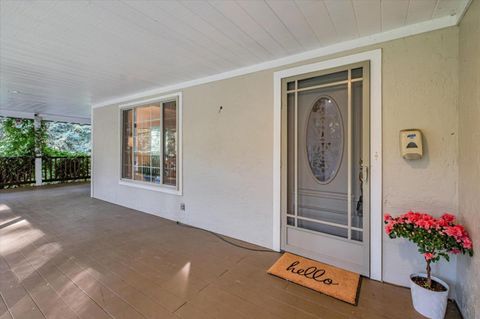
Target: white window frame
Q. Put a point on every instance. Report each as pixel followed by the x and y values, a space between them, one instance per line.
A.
pixel 178 188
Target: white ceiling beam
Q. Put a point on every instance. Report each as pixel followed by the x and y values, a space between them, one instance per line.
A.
pixel 45 117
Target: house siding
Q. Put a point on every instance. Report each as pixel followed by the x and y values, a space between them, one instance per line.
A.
pixel 468 269
pixel 228 155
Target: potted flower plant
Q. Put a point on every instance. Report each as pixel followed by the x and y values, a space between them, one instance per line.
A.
pixel 435 238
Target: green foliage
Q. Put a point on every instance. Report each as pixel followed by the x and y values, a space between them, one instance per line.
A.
pixel 18 137
pixel 67 139
pixel 426 241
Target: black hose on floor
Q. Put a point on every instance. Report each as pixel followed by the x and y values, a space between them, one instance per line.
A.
pixel 226 240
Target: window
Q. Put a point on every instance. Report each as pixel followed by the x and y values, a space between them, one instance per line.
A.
pixel 150 142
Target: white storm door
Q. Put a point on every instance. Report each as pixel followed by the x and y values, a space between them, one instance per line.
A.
pixel 325 162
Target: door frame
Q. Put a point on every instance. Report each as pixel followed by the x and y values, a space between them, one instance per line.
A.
pixel 376 220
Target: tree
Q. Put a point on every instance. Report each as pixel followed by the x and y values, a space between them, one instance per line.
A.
pixel 17 137
pixel 54 138
pixel 67 139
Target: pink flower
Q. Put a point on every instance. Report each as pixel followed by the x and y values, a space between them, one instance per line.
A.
pixel 449 218
pixel 439 235
pixel 441 223
pixel 428 256
pixel 467 243
pixel 456 231
pixel 389 228
pixel 411 217
pixel 426 222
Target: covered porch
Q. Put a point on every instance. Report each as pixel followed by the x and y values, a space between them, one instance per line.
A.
pixel 67 255
pixel 226 135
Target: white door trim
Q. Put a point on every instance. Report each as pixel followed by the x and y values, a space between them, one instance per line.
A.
pixel 376 219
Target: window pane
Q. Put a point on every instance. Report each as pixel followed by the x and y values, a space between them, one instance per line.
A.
pixel 142 159
pixel 357 73
pixel 155 160
pixel 170 143
pixel 323 79
pixel 147 142
pixel 155 113
pixel 155 138
pixel 357 151
pixel 357 235
pixel 143 114
pixel 142 173
pixel 290 221
pixel 143 137
pixel 156 178
pixel 127 143
pixel 328 229
pixel 291 198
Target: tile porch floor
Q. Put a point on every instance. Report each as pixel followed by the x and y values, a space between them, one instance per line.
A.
pixel 66 255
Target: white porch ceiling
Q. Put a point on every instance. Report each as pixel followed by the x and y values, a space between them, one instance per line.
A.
pixel 60 57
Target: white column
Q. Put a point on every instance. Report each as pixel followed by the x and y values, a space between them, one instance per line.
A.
pixel 38 152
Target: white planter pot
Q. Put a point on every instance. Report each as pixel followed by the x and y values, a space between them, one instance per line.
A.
pixel 431 304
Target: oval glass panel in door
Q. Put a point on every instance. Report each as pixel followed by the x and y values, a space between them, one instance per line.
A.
pixel 324 139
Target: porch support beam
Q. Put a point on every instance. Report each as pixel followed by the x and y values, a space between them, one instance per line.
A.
pixel 37 123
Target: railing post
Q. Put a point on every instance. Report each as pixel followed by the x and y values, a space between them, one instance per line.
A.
pixel 38 151
pixel 38 171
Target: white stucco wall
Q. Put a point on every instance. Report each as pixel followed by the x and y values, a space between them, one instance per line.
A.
pixel 420 90
pixel 228 156
pixel 468 269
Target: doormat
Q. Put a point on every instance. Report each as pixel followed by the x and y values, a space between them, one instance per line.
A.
pixel 330 280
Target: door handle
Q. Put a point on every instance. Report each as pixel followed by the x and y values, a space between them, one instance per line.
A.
pixel 363 177
pixel 365 174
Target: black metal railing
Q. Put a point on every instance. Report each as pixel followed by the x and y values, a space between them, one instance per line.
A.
pixel 57 169
pixel 16 171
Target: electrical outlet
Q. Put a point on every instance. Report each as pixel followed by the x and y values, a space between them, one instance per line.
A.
pixel 182 206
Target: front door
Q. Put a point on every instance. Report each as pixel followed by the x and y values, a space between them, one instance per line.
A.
pixel 325 161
